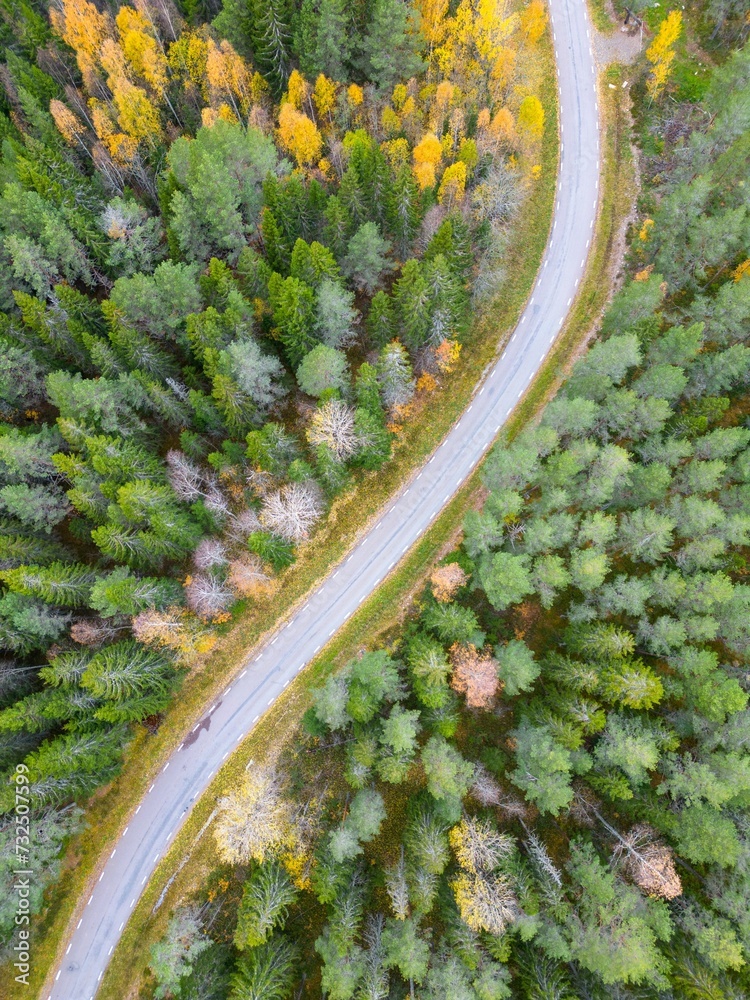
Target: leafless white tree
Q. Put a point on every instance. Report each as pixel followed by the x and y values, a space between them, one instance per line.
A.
pixel 430 225
pixel 215 501
pixel 485 789
pixel 15 679
pixel 542 860
pixel 185 478
pixel 376 981
pixel 206 595
pixel 210 553
pixel 292 510
pixel 513 805
pixel 332 424
pixel 259 481
pixel 398 888
pixel 243 524
pixel 190 483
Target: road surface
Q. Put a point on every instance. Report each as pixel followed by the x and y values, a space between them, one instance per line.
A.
pixel 188 772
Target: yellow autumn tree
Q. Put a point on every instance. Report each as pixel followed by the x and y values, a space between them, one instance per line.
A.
pixel 256 820
pixel 187 60
pixel 661 53
pixel 324 96
pixel 113 62
pixel 299 135
pixel 400 93
pixel 492 27
pixel 355 95
pixel 142 51
pixel 485 898
pixel 444 95
pixel 390 120
pixel 136 114
pixel 210 116
pixel 453 184
pixel 531 117
pixel 229 77
pixel 396 152
pixel 503 71
pixel 296 90
pixel 477 49
pixel 176 629
pixel 427 155
pixel 533 21
pixel 432 20
pixel 121 147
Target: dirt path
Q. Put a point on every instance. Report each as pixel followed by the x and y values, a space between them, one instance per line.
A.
pixel 622 45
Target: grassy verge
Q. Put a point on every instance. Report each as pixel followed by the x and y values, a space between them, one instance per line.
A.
pixel 600 15
pixel 192 858
pixel 108 811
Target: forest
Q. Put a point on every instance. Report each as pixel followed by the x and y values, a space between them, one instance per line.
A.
pixel 537 786
pixel 233 251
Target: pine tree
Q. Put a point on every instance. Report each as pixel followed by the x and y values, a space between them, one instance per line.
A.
pixel 64 584
pixel 391 45
pixel 292 302
pixel 271 36
pixel 266 898
pixel 411 298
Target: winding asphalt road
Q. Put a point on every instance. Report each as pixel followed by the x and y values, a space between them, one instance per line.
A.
pixel 188 772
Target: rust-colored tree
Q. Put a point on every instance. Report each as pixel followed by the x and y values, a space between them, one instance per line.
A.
pixel 446 580
pixel 175 629
pixel 474 675
pixel 247 577
pixel 649 862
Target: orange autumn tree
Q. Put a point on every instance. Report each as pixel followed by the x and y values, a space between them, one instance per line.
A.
pixel 446 355
pixel 69 125
pixel 84 29
pixel 446 580
pixel 229 78
pixel 474 675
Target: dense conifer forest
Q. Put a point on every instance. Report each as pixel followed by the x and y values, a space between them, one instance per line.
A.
pixel 538 786
pixel 235 244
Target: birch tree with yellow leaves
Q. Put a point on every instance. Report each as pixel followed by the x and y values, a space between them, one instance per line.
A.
pixel 661 53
